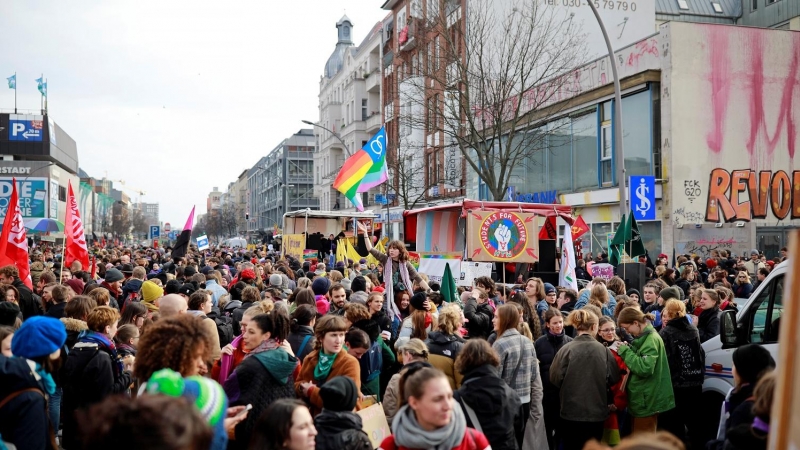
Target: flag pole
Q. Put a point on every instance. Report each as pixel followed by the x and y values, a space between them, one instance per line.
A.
pixel 15 92
pixel 45 97
pixel 41 97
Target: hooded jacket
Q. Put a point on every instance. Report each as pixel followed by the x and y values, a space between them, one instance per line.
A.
pixel 495 403
pixel 443 350
pixel 687 360
pixel 27 304
pixel 649 385
pixel 74 328
pixel 24 420
pixel 340 431
pixel 259 380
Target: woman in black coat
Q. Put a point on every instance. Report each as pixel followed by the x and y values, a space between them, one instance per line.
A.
pixel 707 322
pixel 546 348
pixel 489 404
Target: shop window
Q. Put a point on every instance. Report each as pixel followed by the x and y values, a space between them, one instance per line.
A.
pixel 606 145
pixel 584 147
pixel 559 156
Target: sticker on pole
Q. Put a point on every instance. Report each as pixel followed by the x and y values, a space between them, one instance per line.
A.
pixel 202 242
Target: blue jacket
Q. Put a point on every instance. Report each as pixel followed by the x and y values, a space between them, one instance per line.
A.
pixel 217 291
pixel 607 310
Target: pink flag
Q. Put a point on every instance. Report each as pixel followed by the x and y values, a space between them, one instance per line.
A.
pixel 75 249
pixel 13 240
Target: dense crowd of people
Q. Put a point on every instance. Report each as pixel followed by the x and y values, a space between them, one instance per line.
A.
pixel 241 349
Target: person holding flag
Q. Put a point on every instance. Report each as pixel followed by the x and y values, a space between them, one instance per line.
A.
pixel 14 265
pixel 75 242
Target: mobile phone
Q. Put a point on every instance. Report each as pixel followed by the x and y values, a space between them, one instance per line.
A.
pixel 244 411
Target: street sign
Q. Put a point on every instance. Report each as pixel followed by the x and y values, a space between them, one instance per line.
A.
pixel 155 232
pixel 643 197
pixel 202 242
pixel 25 128
pixel 173 235
pixel 167 227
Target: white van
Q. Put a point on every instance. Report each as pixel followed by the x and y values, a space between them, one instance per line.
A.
pixel 757 322
pixel 235 242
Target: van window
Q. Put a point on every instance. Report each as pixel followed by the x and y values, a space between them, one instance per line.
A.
pixel 769 308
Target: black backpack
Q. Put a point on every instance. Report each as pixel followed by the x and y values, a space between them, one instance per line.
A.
pixel 224 329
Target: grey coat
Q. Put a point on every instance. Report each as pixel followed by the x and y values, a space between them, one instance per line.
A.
pixel 584 369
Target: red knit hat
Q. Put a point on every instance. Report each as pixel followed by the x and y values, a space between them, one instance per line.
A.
pixel 248 274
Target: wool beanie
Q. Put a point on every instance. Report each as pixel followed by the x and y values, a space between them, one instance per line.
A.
pixel 38 336
pixel 8 313
pixel 548 288
pixel 358 284
pixel 670 293
pixel 189 271
pixel 347 284
pixel 631 291
pixel 113 275
pixel 275 280
pixel 76 285
pixel 750 362
pixel 339 394
pixel 151 291
pixel 172 287
pixel 247 274
pixel 204 393
pixel 320 286
pixel 418 301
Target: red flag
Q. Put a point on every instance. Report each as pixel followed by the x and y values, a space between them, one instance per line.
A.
pixel 13 240
pixel 548 231
pixel 75 249
pixel 579 228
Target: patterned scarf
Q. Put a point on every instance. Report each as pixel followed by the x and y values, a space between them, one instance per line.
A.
pixel 391 307
pixel 105 344
pixel 269 344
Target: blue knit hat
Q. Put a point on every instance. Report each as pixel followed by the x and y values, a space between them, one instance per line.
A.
pixel 548 288
pixel 38 336
pixel 206 394
pixel 320 286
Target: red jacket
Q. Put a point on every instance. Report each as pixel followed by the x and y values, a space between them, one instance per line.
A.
pixel 473 440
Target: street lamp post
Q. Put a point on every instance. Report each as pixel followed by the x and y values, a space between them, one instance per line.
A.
pixel 620 153
pixel 335 134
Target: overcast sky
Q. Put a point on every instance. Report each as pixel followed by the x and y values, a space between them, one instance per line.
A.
pixel 174 97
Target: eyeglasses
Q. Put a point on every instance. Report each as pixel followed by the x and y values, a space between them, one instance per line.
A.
pixel 608 330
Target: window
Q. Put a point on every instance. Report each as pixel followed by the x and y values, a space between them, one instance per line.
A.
pixel 584 147
pixel 437 46
pixel 717 7
pixel 559 155
pixel 364 114
pixel 682 4
pixel 766 318
pixel 755 5
pixel 432 10
pixel 637 133
pixel 606 144
pixel 62 194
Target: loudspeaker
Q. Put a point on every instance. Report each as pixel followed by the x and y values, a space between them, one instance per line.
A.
pixel 547 277
pixel 634 276
pixel 547 255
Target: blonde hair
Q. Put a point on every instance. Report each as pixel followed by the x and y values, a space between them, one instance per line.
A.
pixel 582 319
pixel 416 348
pixel 598 296
pixel 450 319
pixel 674 309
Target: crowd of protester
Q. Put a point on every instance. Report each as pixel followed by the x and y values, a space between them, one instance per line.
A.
pixel 238 349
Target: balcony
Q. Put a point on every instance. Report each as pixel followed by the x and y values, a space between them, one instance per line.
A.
pixel 374 122
pixel 373 81
pixel 407 38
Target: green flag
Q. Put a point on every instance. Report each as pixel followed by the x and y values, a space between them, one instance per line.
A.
pixel 621 237
pixel 449 290
pixel 635 247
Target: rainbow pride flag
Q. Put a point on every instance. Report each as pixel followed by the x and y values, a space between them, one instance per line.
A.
pixel 364 170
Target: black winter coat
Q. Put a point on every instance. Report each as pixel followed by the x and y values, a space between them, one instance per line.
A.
pixel 496 405
pixel 687 360
pixel 296 340
pixel 27 305
pixel 480 319
pixel 340 431
pixel 56 311
pixel 259 380
pixel 24 420
pixel 237 315
pixel 384 322
pixel 708 324
pixel 88 377
pixel 546 348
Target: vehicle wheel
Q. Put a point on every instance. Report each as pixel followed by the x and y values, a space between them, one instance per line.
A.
pixel 712 405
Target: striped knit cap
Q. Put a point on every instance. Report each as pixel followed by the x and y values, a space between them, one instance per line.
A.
pixel 206 394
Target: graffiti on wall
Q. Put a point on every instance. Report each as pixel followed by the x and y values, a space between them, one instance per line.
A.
pixel 705 241
pixel 744 195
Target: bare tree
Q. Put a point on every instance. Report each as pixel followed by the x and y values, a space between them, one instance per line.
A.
pixel 489 76
pixel 140 222
pixel 121 225
pixel 410 185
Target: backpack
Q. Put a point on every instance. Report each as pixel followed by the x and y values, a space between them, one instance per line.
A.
pixel 372 362
pixel 224 329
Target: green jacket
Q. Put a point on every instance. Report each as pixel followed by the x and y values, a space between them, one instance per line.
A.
pixel 649 385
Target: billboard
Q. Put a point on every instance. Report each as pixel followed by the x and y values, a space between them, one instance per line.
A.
pixel 32 197
pixel 25 128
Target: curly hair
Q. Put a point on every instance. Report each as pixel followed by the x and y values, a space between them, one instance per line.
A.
pixel 173 343
pixel 250 294
pixel 355 312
